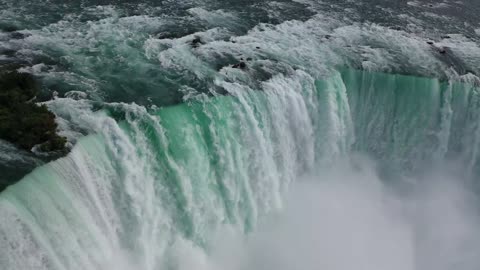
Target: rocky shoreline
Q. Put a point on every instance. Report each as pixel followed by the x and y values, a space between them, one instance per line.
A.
pixel 28 125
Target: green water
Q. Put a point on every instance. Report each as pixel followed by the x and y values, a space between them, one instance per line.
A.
pixel 151 181
pixel 316 155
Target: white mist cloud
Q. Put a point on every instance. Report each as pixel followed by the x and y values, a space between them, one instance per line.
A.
pixel 346 218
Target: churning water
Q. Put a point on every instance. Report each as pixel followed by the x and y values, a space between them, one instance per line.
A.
pixel 347 141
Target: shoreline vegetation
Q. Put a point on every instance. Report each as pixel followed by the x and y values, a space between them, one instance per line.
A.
pixel 23 122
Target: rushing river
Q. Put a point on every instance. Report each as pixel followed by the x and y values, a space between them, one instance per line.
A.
pixel 214 135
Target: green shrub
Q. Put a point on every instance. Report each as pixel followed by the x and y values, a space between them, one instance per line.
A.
pixel 23 122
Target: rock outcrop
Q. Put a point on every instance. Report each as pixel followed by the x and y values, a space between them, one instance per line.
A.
pixel 22 121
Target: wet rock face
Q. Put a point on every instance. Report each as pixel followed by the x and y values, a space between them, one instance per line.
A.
pixel 196 42
pixel 241 65
pixel 23 122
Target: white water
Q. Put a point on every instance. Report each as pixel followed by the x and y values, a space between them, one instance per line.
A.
pixel 261 178
pixel 160 191
pixel 346 218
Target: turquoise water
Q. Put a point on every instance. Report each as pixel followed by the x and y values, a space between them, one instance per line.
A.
pixel 143 190
pixel 346 142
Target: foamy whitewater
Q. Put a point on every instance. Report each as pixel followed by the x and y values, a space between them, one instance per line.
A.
pixel 344 144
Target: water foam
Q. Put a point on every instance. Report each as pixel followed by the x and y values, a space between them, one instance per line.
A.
pixel 150 190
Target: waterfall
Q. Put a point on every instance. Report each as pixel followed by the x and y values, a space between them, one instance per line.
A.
pixel 148 188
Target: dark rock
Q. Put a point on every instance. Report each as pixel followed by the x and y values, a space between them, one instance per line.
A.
pixel 22 122
pixel 196 42
pixel 18 35
pixel 442 51
pixel 430 42
pixel 249 59
pixel 257 47
pixel 328 36
pixel 241 65
pixel 446 37
pixel 167 36
pixel 470 71
pixel 174 33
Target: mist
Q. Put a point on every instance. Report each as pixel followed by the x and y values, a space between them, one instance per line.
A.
pixel 346 217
